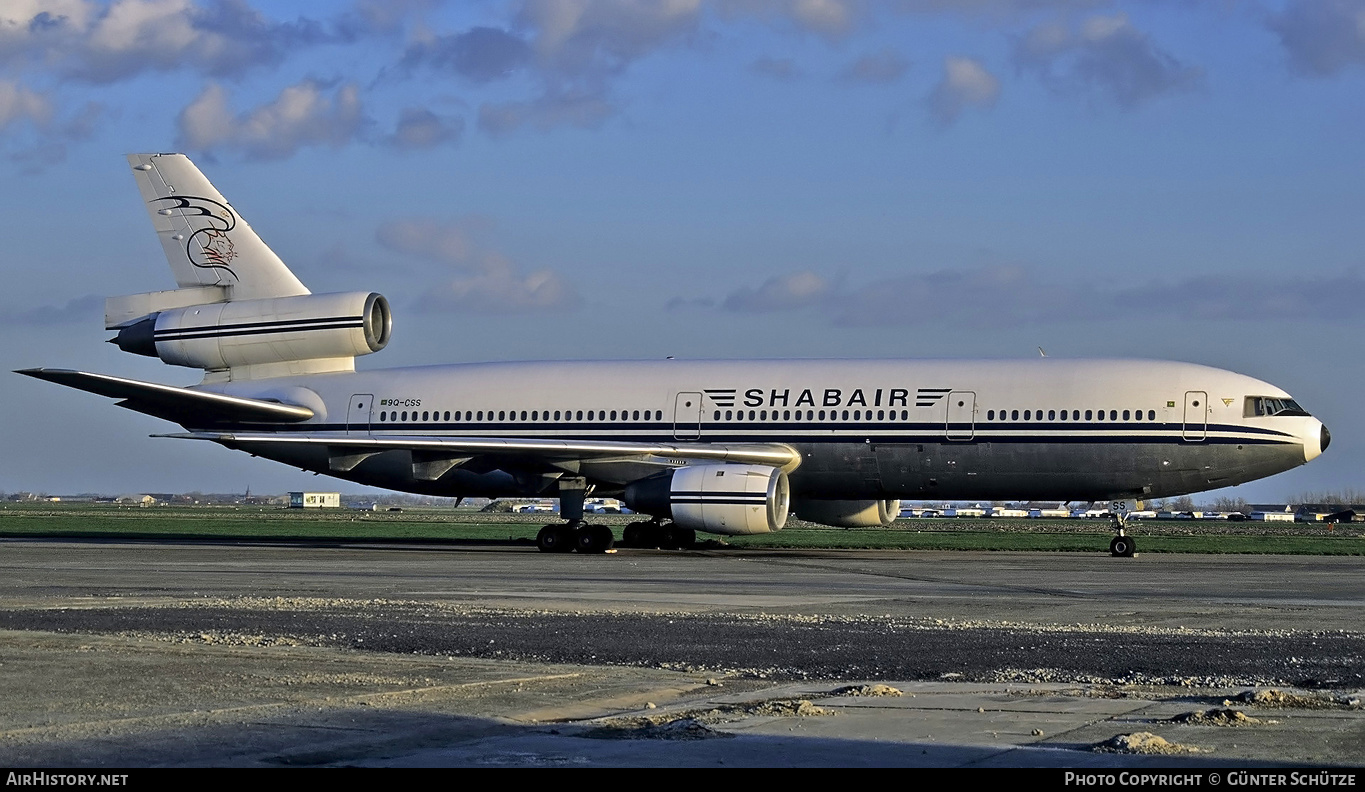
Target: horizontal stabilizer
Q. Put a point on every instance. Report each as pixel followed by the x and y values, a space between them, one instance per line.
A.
pixel 171 402
pixel 774 454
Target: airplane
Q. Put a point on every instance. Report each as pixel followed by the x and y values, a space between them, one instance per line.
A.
pixel 723 447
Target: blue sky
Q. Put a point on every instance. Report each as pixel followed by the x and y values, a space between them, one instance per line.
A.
pixel 738 178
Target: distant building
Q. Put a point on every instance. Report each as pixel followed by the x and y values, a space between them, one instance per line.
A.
pixel 315 500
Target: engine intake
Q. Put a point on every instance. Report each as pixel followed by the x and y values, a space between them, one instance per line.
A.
pixel 226 335
pixel 724 499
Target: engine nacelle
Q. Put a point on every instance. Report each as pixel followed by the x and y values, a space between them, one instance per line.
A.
pixel 722 499
pixel 848 513
pixel 226 335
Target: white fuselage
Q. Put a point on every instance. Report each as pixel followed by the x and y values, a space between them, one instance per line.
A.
pixel 1045 428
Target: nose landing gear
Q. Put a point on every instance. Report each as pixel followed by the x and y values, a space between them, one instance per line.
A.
pixel 1122 545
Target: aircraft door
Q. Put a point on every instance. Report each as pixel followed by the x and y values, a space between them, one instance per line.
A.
pixel 1196 427
pixel 358 414
pixel 687 416
pixel 961 421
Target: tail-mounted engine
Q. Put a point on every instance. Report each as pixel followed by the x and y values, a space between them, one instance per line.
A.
pixel 721 499
pixel 228 335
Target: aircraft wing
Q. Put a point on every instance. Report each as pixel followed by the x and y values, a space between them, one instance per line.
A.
pixel 171 402
pixel 774 454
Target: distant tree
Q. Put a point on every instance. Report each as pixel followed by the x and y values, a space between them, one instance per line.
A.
pixel 1226 504
pixel 1183 503
pixel 497 506
pixel 1342 497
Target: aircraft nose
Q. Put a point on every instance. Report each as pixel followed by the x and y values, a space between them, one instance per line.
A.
pixel 1315 440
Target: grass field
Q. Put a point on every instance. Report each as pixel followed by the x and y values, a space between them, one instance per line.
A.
pixel 255 523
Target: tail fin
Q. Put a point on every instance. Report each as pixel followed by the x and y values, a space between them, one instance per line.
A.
pixel 206 242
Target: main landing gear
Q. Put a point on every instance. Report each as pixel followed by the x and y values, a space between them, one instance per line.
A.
pixel 1122 546
pixel 666 536
pixel 575 535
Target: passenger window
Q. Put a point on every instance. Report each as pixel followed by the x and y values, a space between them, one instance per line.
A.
pixel 1052 415
pixel 728 415
pixel 717 415
pixel 786 415
pixel 636 416
pixel 1028 414
pixel 990 415
pixel 855 414
pixel 822 415
pixel 556 415
pixel 879 415
pixel 1125 415
pixel 613 415
pixel 1113 415
pixel 383 415
pixel 1151 415
pixel 1014 415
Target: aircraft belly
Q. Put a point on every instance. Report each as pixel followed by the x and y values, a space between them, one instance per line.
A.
pixel 1031 471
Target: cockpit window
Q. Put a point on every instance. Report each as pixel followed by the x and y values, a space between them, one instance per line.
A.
pixel 1268 405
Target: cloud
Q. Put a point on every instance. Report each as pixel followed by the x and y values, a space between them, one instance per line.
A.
pixel 302 115
pixel 1322 37
pixel 106 42
pixel 583 36
pixel 776 68
pixel 419 128
pixel 18 103
pixel 81 309
pixel 784 292
pixel 886 66
pixel 1011 295
pixel 1327 297
pixel 1106 54
pixel 585 108
pixel 686 303
pixel 453 242
pixel 484 280
pixel 501 289
pixel 965 83
pixel 832 19
pixel 481 54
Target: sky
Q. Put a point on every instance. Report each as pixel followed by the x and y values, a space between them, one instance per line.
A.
pixel 584 179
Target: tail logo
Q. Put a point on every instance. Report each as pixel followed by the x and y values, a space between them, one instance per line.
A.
pixel 208 245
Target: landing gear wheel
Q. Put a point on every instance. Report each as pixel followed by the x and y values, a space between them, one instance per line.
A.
pixel 593 539
pixel 636 534
pixel 555 539
pixel 1122 547
pixel 671 537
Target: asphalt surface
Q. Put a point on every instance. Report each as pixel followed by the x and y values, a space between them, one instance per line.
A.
pixel 641 628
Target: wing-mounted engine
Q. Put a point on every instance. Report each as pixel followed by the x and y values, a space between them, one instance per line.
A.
pixel 722 499
pixel 309 333
pixel 848 513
